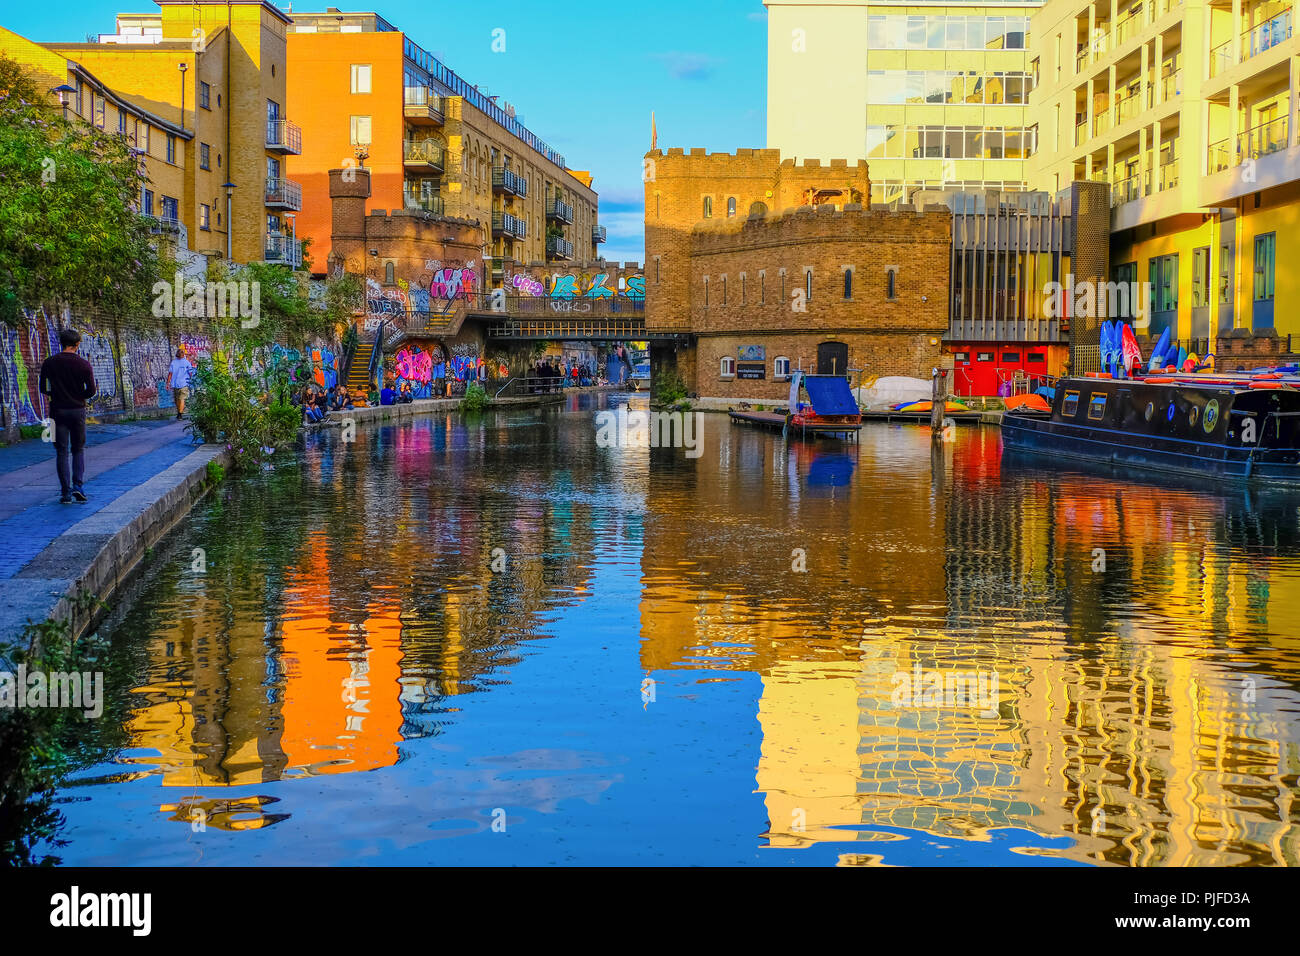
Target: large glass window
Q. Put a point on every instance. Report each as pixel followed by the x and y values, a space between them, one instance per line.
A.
pixel 1163 275
pixel 1200 277
pixel 1265 259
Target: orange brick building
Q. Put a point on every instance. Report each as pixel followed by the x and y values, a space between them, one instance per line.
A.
pixel 433 142
pixel 773 266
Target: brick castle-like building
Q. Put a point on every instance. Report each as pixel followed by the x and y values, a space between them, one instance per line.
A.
pixel 767 265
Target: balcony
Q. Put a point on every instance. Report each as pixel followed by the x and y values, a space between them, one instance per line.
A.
pixel 559 210
pixel 283 137
pixel 283 194
pixel 422 106
pixel 1100 123
pixel 505 180
pixel 1168 175
pixel 1126 190
pixel 597 233
pixel 1171 85
pixel 283 250
pixel 1081 133
pixel 512 227
pixel 1129 106
pixel 1254 143
pixel 557 247
pixel 162 225
pixel 424 155
pixel 423 201
pixel 1250 44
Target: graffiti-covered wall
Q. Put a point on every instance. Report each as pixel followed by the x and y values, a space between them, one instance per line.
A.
pixel 601 280
pixel 130 365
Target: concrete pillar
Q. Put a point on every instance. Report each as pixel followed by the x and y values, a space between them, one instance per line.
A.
pixel 1160 63
pixel 1153 185
pixel 1144 159
pixel 1145 89
pixel 1235 48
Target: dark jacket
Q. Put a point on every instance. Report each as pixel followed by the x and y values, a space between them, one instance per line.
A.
pixel 68 380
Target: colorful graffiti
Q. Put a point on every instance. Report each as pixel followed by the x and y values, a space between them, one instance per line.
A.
pixel 148 357
pixel 586 285
pixel 527 285
pixel 452 283
pixel 36 339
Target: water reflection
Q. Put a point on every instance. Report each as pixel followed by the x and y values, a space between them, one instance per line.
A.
pixel 401 636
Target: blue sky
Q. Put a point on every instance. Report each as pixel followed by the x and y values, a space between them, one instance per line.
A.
pixel 583 76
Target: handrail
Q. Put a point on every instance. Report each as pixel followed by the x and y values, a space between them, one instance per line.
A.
pixel 375 352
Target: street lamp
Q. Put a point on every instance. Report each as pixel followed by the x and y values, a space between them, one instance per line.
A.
pixel 63 91
pixel 182 67
pixel 229 187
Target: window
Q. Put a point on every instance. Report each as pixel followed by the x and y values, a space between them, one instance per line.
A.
pixel 731 206
pixel 1163 275
pixel 708 207
pixel 171 148
pixel 807 285
pixel 360 77
pixel 1225 273
pixel 390 273
pixel 204 212
pixel 205 156
pixel 848 283
pixel 121 121
pixel 147 202
pixel 706 292
pixel 727 367
pixel 762 287
pixel 1011 356
pixel 984 356
pixel 724 290
pixel 891 285
pixel 1265 255
pixel 99 104
pixel 961 356
pixel 205 95
pixel 781 368
pixel 742 288
pixel 1036 358
pixel 1200 277
pixel 1096 406
pixel 1070 404
pixel 170 208
pixel 361 131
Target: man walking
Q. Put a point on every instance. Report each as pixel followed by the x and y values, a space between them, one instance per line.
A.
pixel 179 375
pixel 68 381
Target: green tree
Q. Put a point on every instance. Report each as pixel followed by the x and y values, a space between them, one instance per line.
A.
pixel 69 230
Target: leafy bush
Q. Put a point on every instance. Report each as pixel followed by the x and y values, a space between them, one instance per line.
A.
pixel 475 399
pixel 216 473
pixel 231 407
pixel 668 388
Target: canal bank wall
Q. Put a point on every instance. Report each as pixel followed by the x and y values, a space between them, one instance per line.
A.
pixel 97 555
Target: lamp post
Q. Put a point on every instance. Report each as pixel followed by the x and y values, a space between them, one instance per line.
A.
pixel 62 92
pixel 229 187
pixel 182 67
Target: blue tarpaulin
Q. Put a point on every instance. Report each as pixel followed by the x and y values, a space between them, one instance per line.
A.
pixel 830 395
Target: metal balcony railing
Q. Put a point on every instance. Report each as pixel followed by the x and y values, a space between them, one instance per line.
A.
pixel 1251 43
pixel 283 137
pixel 559 210
pixel 1249 144
pixel 507 180
pixel 557 247
pixel 159 225
pixel 1126 190
pixel 422 153
pixel 283 194
pixel 1171 85
pixel 283 249
pixel 421 104
pixel 1081 133
pixel 597 233
pixel 1168 175
pixel 1100 123
pixel 505 224
pixel 424 202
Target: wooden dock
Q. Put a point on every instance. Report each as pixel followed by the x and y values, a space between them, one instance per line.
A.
pixel 923 418
pixel 776 421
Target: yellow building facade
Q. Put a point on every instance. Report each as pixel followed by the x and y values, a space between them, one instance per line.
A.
pixel 163 144
pixel 219 71
pixel 1187 111
pixel 932 95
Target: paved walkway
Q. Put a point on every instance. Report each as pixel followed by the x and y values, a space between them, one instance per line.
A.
pixel 119 459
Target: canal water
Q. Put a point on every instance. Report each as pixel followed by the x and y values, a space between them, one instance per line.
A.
pixel 488 640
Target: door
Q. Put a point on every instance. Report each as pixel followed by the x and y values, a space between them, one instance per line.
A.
pixel 962 382
pixel 1009 363
pixel 832 358
pixel 984 373
pixel 1201 293
pixel 1265 257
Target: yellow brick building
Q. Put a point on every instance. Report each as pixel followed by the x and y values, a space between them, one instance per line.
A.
pixel 1187 112
pixel 931 94
pixel 218 71
pixel 164 145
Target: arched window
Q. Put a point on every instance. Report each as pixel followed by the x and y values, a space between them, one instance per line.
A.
pixel 706 292
pixel 891 284
pixel 724 290
pixel 731 206
pixel 708 207
pixel 757 210
pixel 390 277
pixel 848 283
pixel 807 286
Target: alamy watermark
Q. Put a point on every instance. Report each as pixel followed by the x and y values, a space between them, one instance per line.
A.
pixel 1098 300
pixel 975 690
pixel 190 298
pixel 33 690
pixel 628 429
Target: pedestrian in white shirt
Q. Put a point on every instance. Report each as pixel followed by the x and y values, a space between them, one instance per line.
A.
pixel 179 375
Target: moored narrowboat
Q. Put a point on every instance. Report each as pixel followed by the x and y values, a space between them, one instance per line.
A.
pixel 1231 427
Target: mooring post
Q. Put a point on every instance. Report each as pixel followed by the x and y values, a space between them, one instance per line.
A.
pixel 937 404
